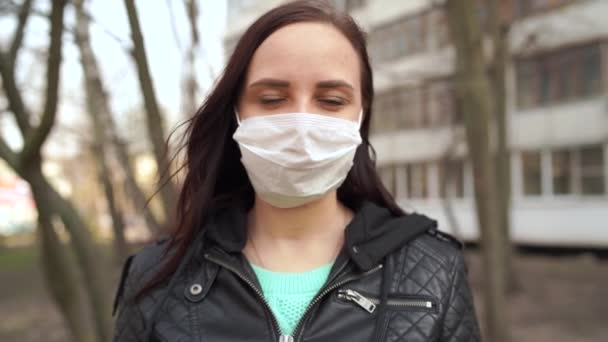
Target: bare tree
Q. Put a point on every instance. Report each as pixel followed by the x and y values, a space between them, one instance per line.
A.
pixel 99 152
pixel 105 130
pixel 153 114
pixel 27 163
pixel 474 92
pixel 61 276
pixel 499 31
pixel 190 83
pixel 449 180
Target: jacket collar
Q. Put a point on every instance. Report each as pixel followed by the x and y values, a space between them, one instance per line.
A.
pixel 372 234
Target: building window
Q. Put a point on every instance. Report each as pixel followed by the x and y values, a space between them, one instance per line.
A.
pixel 442 107
pixel 383 117
pixel 401 108
pixel 591 74
pixel 562 172
pixel 400 38
pixel 561 76
pixel 592 170
pixel 454 184
pixel 398 109
pixel 579 171
pixel 417 181
pixel 401 172
pixel 527 84
pixel 531 172
pixel 439 27
pixel 411 114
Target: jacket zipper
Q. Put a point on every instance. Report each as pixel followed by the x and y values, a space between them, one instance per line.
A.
pixel 369 304
pixel 296 331
pixel 328 289
pixel 282 338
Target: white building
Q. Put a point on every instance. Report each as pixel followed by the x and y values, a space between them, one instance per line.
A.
pixel 557 112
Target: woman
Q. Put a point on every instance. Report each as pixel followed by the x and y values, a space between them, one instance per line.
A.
pixel 284 231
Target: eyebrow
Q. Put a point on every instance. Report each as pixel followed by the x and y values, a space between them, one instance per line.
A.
pixel 270 82
pixel 277 83
pixel 334 84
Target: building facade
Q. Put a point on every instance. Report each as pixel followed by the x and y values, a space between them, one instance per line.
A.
pixel 557 104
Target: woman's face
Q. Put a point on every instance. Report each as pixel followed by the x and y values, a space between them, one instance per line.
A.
pixel 303 67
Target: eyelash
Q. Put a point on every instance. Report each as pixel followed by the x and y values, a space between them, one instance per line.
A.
pixel 270 101
pixel 335 102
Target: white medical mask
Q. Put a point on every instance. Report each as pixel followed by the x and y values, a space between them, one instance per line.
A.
pixel 294 158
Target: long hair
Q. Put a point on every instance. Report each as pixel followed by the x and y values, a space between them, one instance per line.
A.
pixel 214 176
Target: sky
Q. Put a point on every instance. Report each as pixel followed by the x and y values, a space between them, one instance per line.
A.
pixel 110 39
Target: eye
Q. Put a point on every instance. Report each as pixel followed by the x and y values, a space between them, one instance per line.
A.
pixel 270 100
pixel 333 101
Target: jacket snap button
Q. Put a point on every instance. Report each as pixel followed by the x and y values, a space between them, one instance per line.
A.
pixel 196 289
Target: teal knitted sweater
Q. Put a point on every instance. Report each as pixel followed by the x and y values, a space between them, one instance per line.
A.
pixel 289 294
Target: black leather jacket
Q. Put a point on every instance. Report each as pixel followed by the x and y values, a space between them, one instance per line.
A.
pixel 396 279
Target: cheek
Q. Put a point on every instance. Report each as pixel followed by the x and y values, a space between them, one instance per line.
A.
pixel 244 108
pixel 352 114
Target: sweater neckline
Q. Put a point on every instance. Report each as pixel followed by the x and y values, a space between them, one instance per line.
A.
pixel 310 281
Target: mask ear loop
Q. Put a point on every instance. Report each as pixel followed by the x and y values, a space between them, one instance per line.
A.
pixel 360 118
pixel 236 114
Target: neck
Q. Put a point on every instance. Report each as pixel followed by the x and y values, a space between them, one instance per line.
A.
pixel 311 220
pixel 283 235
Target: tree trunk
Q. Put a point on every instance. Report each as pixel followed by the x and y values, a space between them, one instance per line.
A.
pixel 154 118
pixel 27 163
pixel 473 88
pixel 99 99
pixel 93 267
pixel 118 226
pixel 189 82
pixel 137 196
pixel 61 276
pixel 500 30
pixel 447 181
pixel 99 148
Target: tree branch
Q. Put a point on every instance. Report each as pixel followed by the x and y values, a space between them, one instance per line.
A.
pixel 15 101
pixel 123 44
pixel 7 70
pixel 173 26
pixel 36 138
pixel 8 155
pixel 24 13
pixel 192 10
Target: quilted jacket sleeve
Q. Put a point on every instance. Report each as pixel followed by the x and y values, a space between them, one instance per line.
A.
pixel 129 325
pixel 460 324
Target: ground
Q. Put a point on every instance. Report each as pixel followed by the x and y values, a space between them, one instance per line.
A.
pixel 563 297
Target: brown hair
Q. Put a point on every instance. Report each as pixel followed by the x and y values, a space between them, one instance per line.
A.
pixel 215 177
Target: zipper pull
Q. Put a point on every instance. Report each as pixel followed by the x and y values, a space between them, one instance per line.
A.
pixel 358 298
pixel 285 338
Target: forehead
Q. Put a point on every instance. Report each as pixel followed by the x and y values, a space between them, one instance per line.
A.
pixel 306 51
